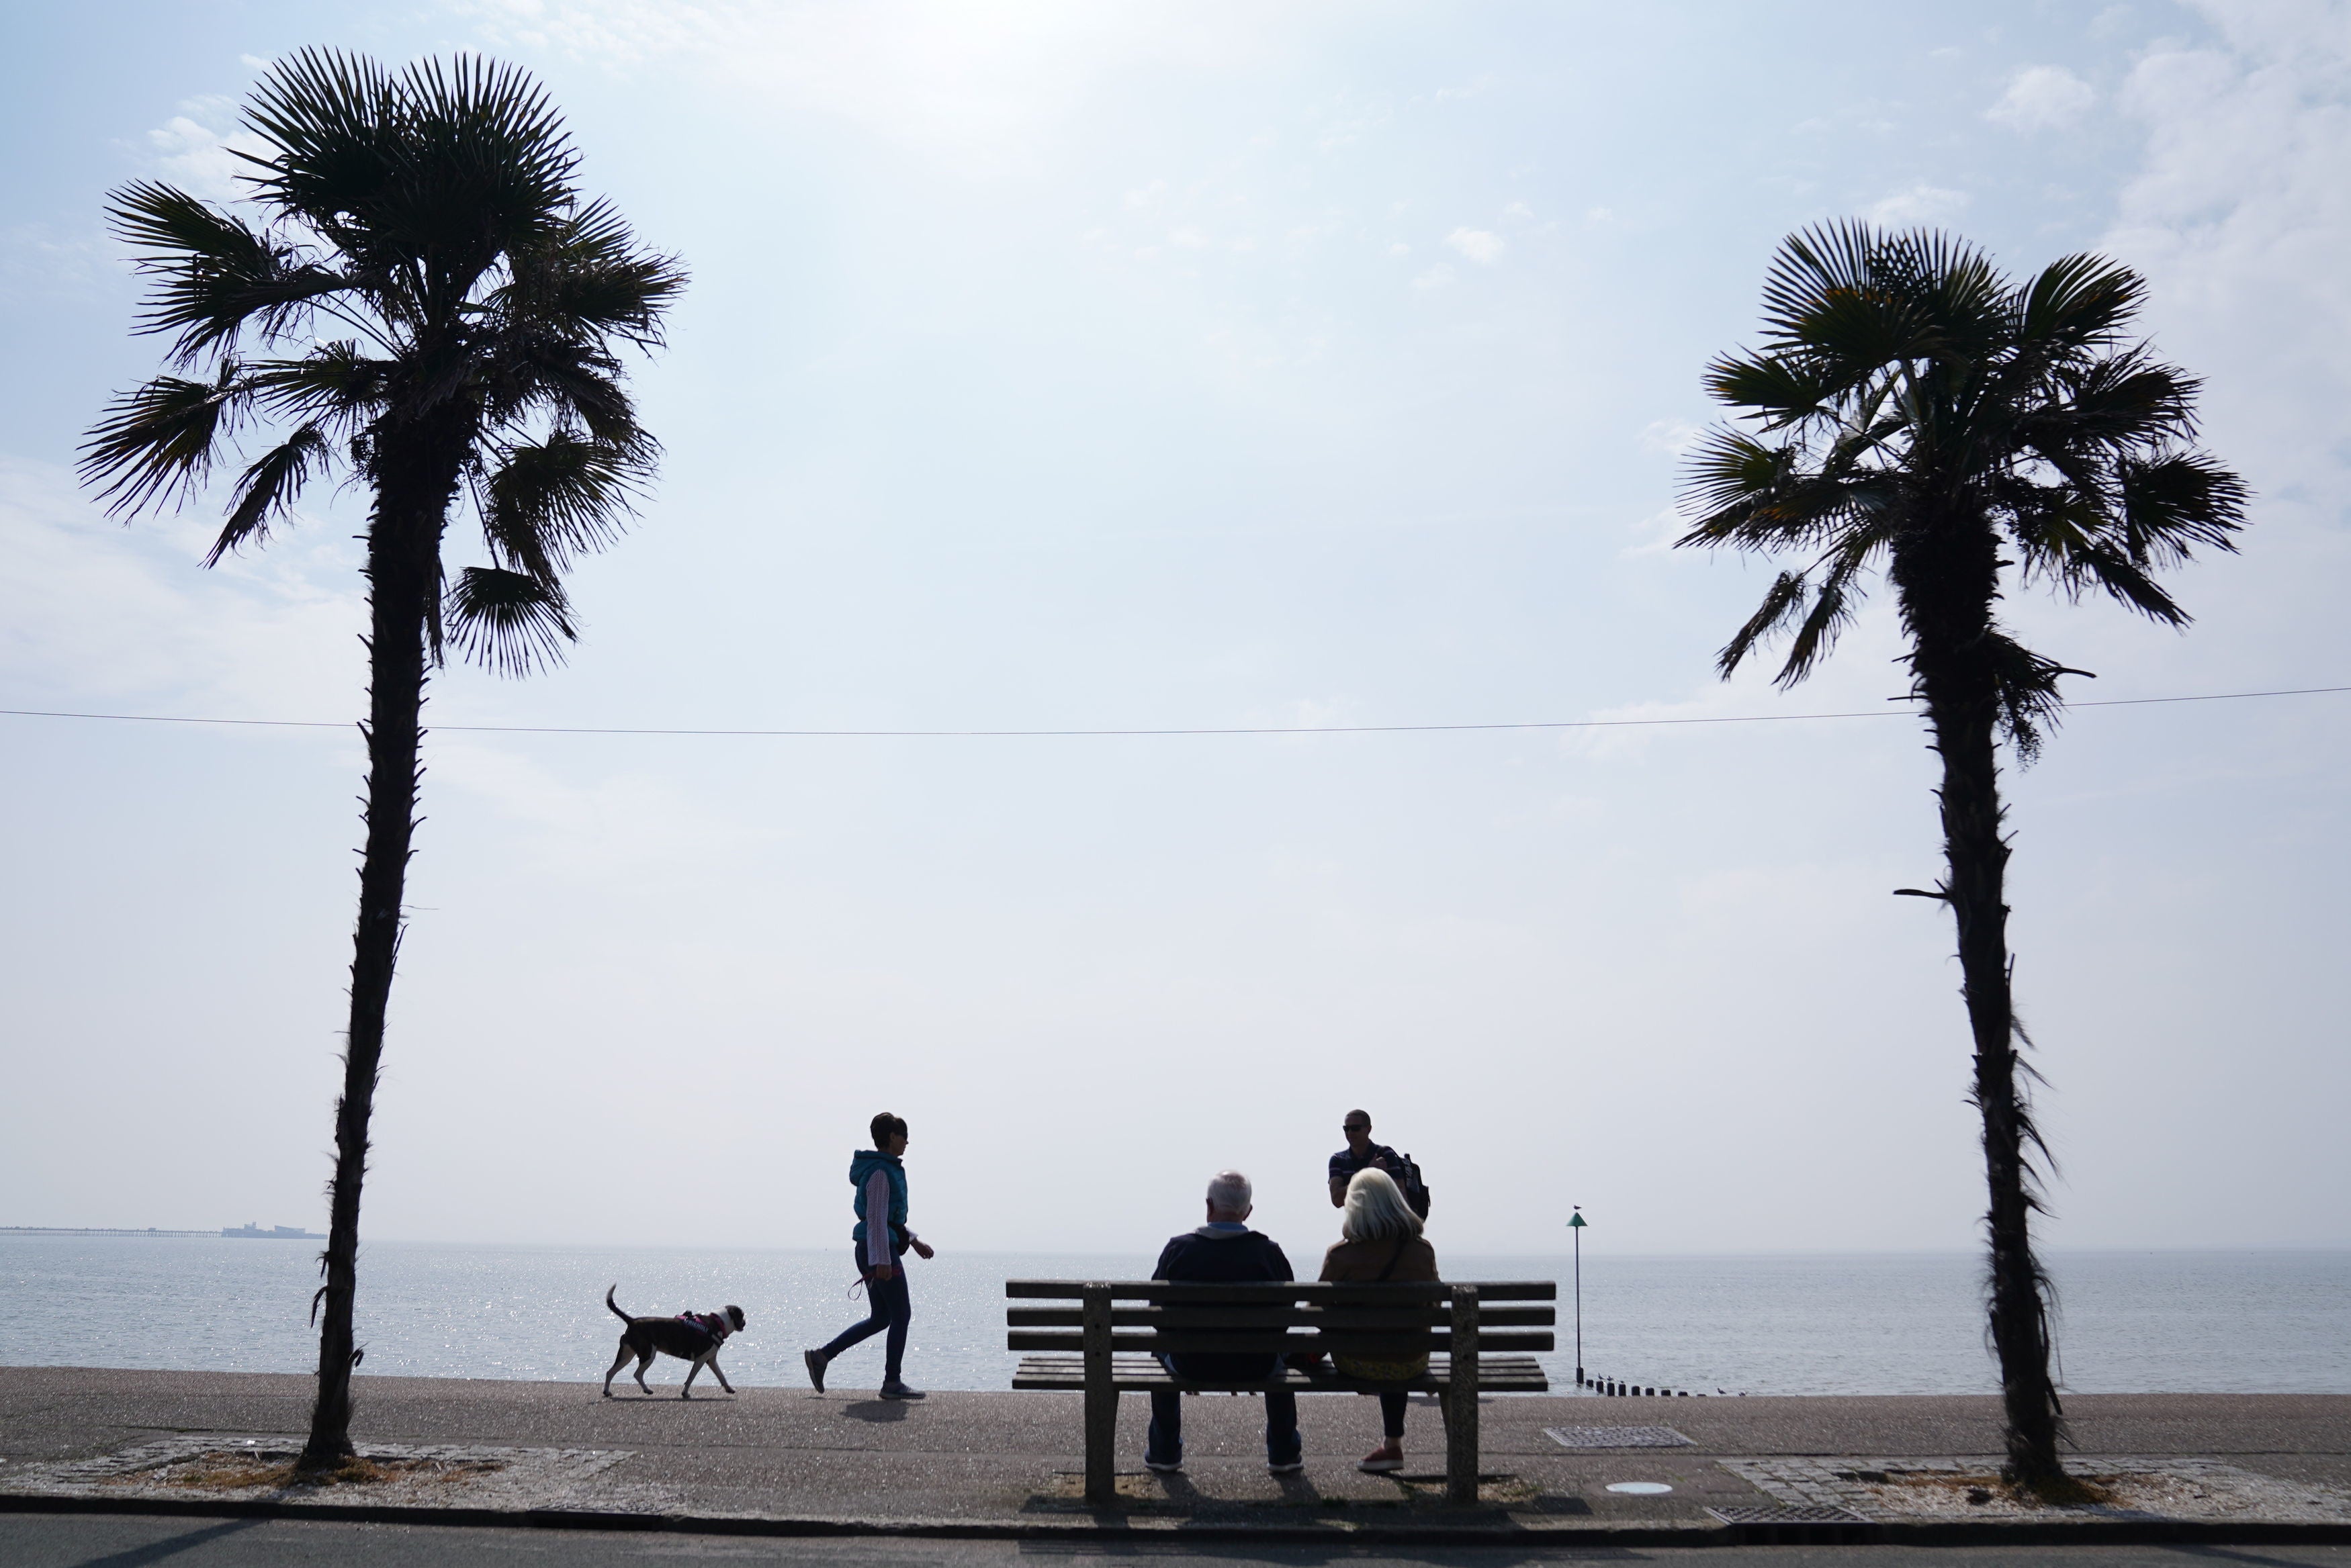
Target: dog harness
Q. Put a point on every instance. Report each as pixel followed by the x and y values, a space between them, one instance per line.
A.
pixel 713 1324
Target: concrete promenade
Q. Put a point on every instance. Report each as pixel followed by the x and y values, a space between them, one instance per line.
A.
pixel 1002 1462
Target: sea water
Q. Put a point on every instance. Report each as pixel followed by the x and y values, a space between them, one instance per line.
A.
pixel 1897 1324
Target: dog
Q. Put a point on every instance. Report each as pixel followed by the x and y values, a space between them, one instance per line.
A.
pixel 693 1337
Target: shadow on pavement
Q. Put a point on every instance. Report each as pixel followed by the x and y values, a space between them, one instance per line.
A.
pixel 883 1410
pixel 156 1551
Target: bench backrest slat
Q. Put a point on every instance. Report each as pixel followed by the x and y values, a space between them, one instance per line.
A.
pixel 1216 1315
pixel 1375 1320
pixel 1299 1291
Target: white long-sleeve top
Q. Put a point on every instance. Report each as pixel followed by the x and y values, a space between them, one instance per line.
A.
pixel 877 1220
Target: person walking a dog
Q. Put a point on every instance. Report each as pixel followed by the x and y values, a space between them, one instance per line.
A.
pixel 880 1242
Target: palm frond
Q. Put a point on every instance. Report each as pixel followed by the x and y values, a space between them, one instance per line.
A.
pixel 158 442
pixel 1726 476
pixel 2127 582
pixel 1782 602
pixel 1758 497
pixel 332 121
pixel 1955 291
pixel 2067 538
pixel 2026 685
pixel 1834 604
pixel 2078 302
pixel 2179 501
pixel 1866 431
pixel 2123 400
pixel 166 223
pixel 492 127
pixel 1824 262
pixel 335 384
pixel 1832 301
pixel 268 488
pixel 217 273
pixel 589 279
pixel 2047 521
pixel 1776 388
pixel 573 382
pixel 551 501
pixel 510 622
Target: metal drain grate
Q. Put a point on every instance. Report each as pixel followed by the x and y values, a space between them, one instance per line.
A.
pixel 1798 1524
pixel 1618 1438
pixel 1789 1513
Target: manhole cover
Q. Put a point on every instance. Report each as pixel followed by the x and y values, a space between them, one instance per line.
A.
pixel 1776 1513
pixel 1618 1438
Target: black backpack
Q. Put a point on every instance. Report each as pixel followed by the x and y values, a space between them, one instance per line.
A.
pixel 1415 1191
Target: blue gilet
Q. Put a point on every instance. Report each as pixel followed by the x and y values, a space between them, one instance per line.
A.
pixel 861 1165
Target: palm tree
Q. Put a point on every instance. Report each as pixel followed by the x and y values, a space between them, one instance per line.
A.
pixel 423 298
pixel 1915 412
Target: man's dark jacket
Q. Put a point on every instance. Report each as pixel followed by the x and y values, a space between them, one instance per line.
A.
pixel 1223 1257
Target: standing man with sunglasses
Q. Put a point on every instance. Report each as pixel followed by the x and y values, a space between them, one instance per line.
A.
pixel 1362 1154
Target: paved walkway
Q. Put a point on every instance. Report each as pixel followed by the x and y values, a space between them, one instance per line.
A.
pixel 1007 1458
pixel 116 1542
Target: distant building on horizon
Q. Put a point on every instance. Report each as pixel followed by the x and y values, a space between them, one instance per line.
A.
pixel 249 1231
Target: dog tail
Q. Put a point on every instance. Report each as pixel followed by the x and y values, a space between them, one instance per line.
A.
pixel 617 1313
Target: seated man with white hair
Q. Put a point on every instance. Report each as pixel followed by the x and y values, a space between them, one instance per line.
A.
pixel 1226 1251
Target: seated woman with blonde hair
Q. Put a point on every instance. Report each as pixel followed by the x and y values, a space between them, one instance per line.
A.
pixel 1382 1245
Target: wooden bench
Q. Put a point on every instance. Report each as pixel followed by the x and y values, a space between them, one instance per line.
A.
pixel 1110 1336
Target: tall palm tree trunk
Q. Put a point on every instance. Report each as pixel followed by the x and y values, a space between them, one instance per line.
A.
pixel 404 573
pixel 1948 573
pixel 1978 858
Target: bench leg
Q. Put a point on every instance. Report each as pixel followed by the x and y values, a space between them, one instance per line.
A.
pixel 1101 1445
pixel 1460 1406
pixel 1461 1400
pixel 1101 1400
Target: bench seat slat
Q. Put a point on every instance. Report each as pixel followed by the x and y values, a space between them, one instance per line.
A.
pixel 1131 1374
pixel 1238 1316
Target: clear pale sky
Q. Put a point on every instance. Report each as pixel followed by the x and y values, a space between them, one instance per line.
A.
pixel 1057 367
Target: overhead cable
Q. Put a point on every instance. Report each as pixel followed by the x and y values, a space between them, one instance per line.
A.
pixel 1041 734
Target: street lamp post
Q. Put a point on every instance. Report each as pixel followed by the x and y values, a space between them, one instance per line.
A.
pixel 1575 1228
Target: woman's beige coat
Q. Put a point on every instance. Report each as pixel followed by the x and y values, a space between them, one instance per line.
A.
pixel 1366 1262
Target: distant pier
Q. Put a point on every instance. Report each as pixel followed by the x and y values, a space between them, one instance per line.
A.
pixel 245 1233
pixel 91 1231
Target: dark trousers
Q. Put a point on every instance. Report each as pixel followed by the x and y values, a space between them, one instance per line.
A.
pixel 887 1306
pixel 1393 1405
pixel 1165 1443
